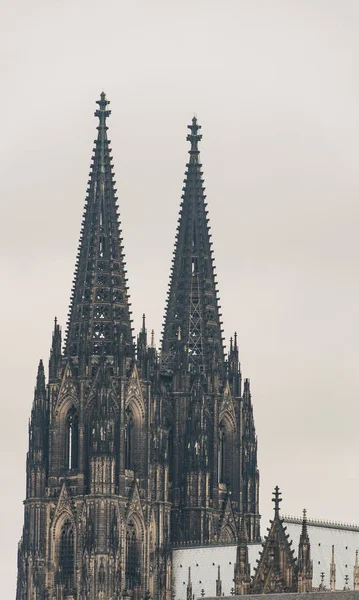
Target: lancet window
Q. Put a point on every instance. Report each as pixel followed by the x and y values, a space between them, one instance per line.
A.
pixel 221 455
pixel 72 435
pixel 129 441
pixel 66 558
pixel 132 557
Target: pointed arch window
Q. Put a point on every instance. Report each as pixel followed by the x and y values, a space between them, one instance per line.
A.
pixel 132 558
pixel 72 436
pixel 129 441
pixel 221 455
pixel 66 558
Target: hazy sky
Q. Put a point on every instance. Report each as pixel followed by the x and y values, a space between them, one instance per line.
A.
pixel 275 85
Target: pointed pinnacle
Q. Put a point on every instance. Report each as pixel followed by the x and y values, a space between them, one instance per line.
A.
pixel 102 113
pixel 40 379
pixel 194 137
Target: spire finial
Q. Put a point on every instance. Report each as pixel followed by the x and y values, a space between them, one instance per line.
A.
pixel 304 522
pixel 277 500
pixel 143 323
pixel 101 112
pixel 194 137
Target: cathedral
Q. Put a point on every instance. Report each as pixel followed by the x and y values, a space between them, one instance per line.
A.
pixel 134 452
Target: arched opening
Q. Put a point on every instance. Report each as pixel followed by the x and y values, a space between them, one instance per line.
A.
pixel 225 453
pixel 129 463
pixel 134 440
pixel 66 556
pixel 133 578
pixel 221 455
pixel 72 439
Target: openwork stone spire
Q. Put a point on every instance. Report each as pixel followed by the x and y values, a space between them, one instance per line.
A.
pixel 99 317
pixel 192 316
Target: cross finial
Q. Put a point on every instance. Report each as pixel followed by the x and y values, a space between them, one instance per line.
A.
pixel 194 137
pixel 101 112
pixel 276 499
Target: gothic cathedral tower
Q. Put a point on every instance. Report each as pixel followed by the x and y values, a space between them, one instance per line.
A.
pixel 131 451
pixel 214 480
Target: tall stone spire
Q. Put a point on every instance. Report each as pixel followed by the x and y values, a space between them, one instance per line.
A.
pixel 99 317
pixel 192 306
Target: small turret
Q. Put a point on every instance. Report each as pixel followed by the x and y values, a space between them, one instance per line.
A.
pixel 219 583
pixel 55 353
pixel 305 564
pixel 249 466
pixel 189 585
pixel 142 347
pixel 332 572
pixel 356 572
pixel 38 431
pixel 234 368
pixel 242 569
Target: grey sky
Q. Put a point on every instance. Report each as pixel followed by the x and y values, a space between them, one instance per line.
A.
pixel 275 86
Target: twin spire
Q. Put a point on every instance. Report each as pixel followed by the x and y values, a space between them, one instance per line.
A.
pixel 192 308
pixel 99 317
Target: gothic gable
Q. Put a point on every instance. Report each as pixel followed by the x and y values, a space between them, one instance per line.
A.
pixel 68 392
pixel 277 569
pixel 227 524
pixel 134 394
pixel 65 505
pixel 226 410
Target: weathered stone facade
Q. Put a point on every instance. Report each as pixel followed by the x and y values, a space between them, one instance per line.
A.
pixel 130 450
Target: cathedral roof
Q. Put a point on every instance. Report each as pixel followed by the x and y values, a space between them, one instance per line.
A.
pixel 322 534
pixel 192 314
pixel 99 316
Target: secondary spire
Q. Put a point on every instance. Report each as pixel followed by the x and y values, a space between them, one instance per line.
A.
pixel 99 316
pixel 192 306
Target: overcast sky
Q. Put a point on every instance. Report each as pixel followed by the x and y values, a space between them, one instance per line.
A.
pixel 275 85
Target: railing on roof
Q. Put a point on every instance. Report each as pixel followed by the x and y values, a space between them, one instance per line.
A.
pixel 195 544
pixel 321 523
